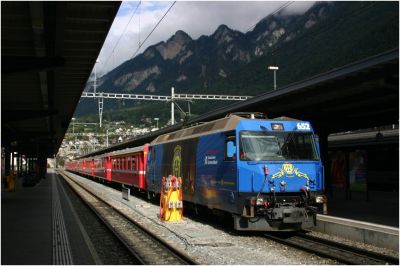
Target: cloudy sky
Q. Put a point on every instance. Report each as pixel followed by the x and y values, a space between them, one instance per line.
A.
pixel 194 17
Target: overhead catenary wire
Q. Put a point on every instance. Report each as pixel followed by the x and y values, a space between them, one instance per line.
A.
pixel 158 23
pixel 123 32
pixel 285 5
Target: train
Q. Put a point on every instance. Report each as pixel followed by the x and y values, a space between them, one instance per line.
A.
pixel 266 173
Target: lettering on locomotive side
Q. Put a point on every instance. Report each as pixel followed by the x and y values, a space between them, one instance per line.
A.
pixel 210 160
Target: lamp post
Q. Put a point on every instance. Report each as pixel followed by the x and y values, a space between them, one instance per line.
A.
pixel 107 138
pixel 73 131
pixel 274 68
pixel 157 120
pixel 73 126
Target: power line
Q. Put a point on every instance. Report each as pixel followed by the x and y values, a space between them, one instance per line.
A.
pixel 285 5
pixel 123 32
pixel 158 23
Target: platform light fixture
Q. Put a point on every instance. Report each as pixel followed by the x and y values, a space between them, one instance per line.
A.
pixel 274 68
pixel 156 119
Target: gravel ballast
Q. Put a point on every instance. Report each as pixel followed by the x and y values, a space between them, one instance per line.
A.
pixel 209 244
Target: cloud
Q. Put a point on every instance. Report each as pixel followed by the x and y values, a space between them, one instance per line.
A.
pixel 195 18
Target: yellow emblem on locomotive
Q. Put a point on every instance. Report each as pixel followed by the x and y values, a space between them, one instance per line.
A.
pixel 177 161
pixel 288 169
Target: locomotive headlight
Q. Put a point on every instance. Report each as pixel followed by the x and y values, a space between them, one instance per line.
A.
pixel 260 201
pixel 272 189
pixel 320 199
pixel 283 183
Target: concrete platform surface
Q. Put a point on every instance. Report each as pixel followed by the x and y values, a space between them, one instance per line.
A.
pixel 379 208
pixel 38 226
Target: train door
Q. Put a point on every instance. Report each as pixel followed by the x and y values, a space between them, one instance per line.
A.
pixel 143 157
pixel 92 166
pixel 108 168
pixel 229 170
pixel 153 171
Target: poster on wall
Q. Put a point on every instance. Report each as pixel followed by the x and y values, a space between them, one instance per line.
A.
pixel 338 169
pixel 358 170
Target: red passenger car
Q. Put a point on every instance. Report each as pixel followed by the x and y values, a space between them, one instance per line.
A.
pixel 88 168
pixel 81 166
pixel 71 166
pixel 102 167
pixel 129 166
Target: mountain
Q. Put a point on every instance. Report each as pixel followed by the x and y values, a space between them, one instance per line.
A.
pixel 328 35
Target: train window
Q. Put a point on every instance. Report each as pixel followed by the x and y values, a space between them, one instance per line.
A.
pixel 230 147
pixel 263 146
pixel 131 165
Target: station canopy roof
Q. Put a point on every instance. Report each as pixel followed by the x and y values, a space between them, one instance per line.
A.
pixel 48 50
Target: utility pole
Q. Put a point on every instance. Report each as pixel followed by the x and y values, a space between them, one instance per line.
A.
pixel 101 102
pixel 100 98
pixel 73 131
pixel 107 138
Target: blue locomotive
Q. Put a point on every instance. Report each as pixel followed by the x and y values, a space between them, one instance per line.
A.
pixel 267 173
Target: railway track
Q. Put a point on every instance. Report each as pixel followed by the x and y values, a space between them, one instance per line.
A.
pixel 146 247
pixel 342 253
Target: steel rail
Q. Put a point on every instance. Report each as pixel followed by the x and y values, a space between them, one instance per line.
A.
pixel 148 247
pixel 334 250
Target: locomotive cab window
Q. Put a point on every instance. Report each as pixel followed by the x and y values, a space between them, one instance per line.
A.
pixel 264 146
pixel 230 147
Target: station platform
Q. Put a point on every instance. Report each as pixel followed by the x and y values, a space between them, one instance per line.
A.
pixel 38 226
pixel 378 207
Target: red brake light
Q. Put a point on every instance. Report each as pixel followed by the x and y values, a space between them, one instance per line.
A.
pixel 253 202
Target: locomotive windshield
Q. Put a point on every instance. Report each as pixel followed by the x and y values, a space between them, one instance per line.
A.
pixel 269 146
